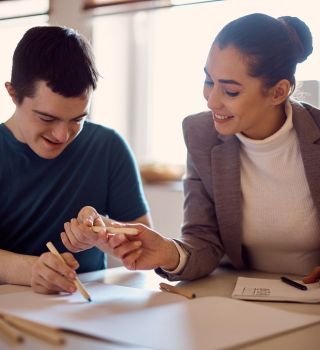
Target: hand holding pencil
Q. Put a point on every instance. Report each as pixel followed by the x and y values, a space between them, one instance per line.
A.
pixel 90 229
pixel 50 275
pixel 77 282
pixel 78 234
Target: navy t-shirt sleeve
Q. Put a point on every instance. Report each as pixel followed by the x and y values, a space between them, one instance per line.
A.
pixel 126 201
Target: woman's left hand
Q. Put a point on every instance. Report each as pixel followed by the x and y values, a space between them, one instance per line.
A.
pixel 313 276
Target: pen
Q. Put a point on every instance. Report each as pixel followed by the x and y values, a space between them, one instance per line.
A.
pixel 77 282
pixel 177 290
pixel 293 283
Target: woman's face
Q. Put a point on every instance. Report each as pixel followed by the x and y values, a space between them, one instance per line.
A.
pixel 239 103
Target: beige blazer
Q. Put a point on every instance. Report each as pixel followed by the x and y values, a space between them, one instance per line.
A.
pixel 212 209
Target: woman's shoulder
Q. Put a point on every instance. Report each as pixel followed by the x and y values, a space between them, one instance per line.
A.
pixel 199 130
pixel 199 125
pixel 306 121
pixel 303 110
pixel 202 119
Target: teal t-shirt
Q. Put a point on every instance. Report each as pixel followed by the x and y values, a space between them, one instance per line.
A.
pixel 38 195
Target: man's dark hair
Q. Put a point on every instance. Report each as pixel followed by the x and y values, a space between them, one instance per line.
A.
pixel 59 56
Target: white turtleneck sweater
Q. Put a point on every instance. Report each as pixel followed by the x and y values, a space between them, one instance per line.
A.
pixel 281 230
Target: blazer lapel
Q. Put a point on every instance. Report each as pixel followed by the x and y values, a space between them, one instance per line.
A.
pixel 227 195
pixel 309 137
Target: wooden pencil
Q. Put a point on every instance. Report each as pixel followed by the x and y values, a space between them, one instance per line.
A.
pixel 77 282
pixel 116 230
pixel 177 290
pixel 49 334
pixel 10 332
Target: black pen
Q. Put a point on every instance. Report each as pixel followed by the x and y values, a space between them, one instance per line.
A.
pixel 293 283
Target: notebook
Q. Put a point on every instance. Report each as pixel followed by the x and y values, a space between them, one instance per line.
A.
pixel 274 290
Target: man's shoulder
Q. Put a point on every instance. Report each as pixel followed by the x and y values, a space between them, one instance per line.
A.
pixel 91 126
pixel 98 132
pixel 101 138
pixel 4 132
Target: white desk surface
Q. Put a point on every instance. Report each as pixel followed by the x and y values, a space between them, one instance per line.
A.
pixel 220 283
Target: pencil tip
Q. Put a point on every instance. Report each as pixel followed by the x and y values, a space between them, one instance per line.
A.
pixel 89 299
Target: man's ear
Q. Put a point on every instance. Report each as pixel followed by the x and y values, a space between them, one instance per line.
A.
pixel 280 91
pixel 11 91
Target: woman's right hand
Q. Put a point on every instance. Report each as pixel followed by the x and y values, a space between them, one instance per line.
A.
pixel 146 250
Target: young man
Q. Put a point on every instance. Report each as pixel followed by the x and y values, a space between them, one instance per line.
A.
pixel 53 163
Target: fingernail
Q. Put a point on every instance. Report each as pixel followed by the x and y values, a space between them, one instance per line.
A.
pixel 90 219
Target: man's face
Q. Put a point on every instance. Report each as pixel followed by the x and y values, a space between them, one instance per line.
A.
pixel 49 122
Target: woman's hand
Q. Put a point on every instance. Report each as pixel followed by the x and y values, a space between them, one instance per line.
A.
pixel 313 276
pixel 146 250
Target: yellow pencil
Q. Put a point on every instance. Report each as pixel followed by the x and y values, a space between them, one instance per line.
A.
pixel 77 282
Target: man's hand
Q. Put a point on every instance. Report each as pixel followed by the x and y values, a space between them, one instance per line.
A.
pixel 51 275
pixel 78 234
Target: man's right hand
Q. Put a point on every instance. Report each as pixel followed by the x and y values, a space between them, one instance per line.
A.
pixel 50 275
pixel 78 234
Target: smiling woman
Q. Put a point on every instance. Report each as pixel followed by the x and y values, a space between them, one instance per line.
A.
pixel 247 156
pixel 156 68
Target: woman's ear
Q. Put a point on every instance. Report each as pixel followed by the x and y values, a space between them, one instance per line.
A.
pixel 11 91
pixel 280 91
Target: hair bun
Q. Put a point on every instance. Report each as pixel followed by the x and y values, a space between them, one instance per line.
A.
pixel 300 35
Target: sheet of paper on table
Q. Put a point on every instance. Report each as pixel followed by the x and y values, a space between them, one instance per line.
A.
pixel 157 320
pixel 248 288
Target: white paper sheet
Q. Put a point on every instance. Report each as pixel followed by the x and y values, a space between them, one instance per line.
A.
pixel 157 320
pixel 274 290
